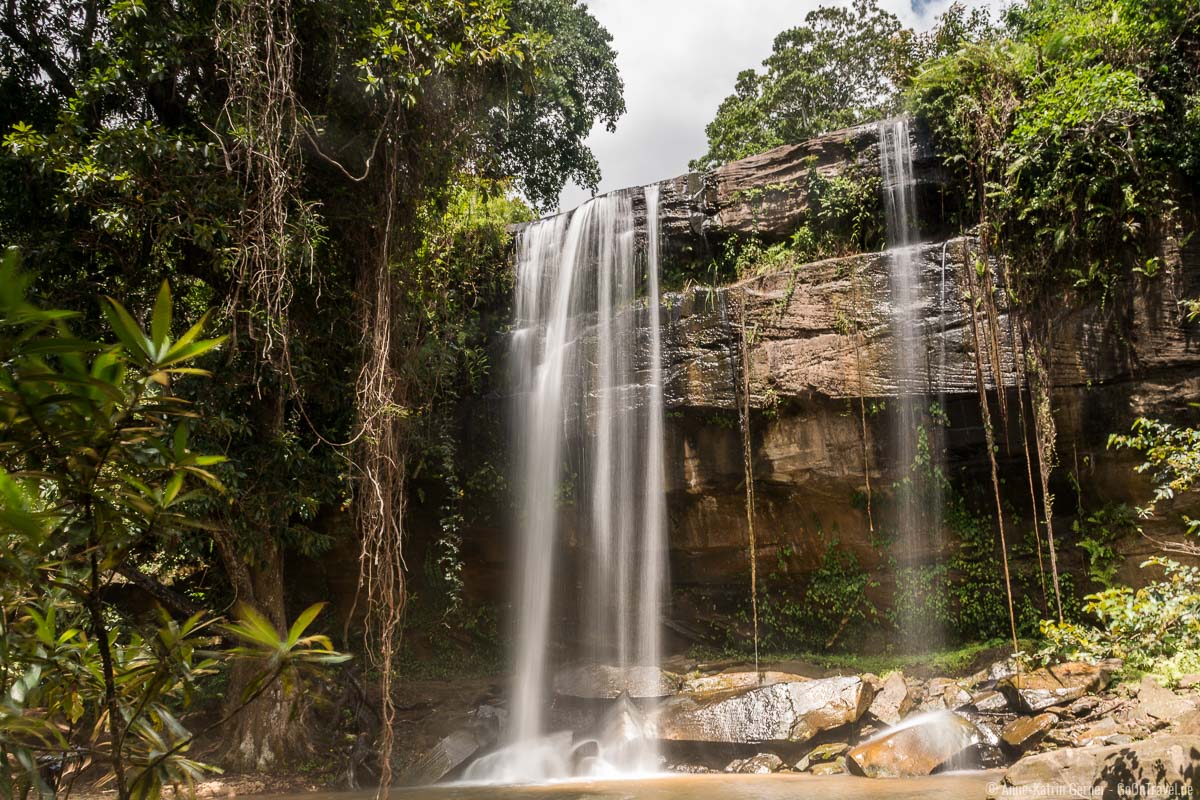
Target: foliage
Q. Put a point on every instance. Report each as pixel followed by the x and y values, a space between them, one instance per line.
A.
pixel 828 73
pixel 96 466
pixel 844 216
pixel 1172 456
pixel 1098 532
pixel 840 68
pixel 1155 628
pixel 833 602
pixel 1070 123
pixel 293 167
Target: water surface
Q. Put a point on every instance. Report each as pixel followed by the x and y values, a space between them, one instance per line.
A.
pixel 958 786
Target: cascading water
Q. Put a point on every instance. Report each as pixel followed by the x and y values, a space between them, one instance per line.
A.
pixel 587 368
pixel 916 422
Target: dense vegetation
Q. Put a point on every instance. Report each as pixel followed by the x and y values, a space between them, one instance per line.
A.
pixel 252 266
pixel 330 180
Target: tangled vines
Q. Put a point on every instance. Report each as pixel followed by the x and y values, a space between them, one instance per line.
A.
pixel 261 119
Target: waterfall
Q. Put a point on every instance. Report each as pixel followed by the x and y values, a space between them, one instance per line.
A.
pixel 587 370
pixel 917 437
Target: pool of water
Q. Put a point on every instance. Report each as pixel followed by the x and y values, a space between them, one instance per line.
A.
pixel 958 786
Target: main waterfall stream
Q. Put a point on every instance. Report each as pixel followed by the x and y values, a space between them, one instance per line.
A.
pixel 916 429
pixel 587 370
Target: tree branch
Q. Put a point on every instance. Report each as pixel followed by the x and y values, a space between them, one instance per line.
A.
pixel 44 60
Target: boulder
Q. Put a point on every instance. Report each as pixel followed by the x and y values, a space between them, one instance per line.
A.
pixel 1090 733
pixel 1161 703
pixel 1165 766
pixel 1188 724
pixel 447 755
pixel 623 732
pixel 794 711
pixel 1083 706
pixel 607 682
pixel 918 747
pixel 1189 681
pixel 893 701
pixel 726 681
pixel 989 702
pixel 955 697
pixel 821 754
pixel 1040 689
pixel 761 764
pixel 835 767
pixel 1026 733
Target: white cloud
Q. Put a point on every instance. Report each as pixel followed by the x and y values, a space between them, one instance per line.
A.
pixel 679 59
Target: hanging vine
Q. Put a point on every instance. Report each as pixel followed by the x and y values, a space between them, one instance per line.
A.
pixel 261 120
pixel 974 300
pixel 857 337
pixel 1045 434
pixel 748 464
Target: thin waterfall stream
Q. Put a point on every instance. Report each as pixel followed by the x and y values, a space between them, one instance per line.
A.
pixel 587 370
pixel 916 423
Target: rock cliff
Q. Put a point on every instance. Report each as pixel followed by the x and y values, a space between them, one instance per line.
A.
pixel 821 363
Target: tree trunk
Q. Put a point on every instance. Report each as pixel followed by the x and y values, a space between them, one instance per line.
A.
pixel 270 730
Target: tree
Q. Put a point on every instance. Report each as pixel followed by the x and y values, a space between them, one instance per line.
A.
pixel 845 66
pixel 96 465
pixel 278 162
pixel 831 72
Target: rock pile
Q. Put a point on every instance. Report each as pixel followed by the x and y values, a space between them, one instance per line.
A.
pixel 878 727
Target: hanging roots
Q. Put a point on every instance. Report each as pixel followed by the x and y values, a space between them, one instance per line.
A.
pixel 748 470
pixel 1044 432
pixel 260 115
pixel 380 462
pixel 974 299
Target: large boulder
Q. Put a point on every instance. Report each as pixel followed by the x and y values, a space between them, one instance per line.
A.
pixel 1058 685
pixel 1162 703
pixel 794 711
pixel 607 682
pixel 919 747
pixel 1165 766
pixel 893 702
pixel 726 681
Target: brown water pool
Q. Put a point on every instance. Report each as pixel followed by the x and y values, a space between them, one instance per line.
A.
pixel 959 786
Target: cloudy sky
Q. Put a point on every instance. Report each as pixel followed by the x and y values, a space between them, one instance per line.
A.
pixel 679 59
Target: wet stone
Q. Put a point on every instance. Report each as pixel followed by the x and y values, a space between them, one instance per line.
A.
pixel 783 712
pixel 821 754
pixel 606 682
pixel 919 747
pixel 1036 691
pixel 990 702
pixel 761 764
pixel 893 701
pixel 836 767
pixel 726 681
pixel 1026 733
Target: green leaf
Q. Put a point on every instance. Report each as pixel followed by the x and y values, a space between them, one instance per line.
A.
pixel 302 622
pixel 160 323
pixel 172 488
pixel 126 329
pixel 189 351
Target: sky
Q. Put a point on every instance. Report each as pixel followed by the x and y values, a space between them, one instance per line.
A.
pixel 679 59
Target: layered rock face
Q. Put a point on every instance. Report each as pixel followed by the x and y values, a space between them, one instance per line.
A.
pixel 822 369
pixel 822 363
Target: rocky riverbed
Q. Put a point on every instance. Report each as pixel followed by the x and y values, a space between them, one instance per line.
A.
pixel 1067 726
